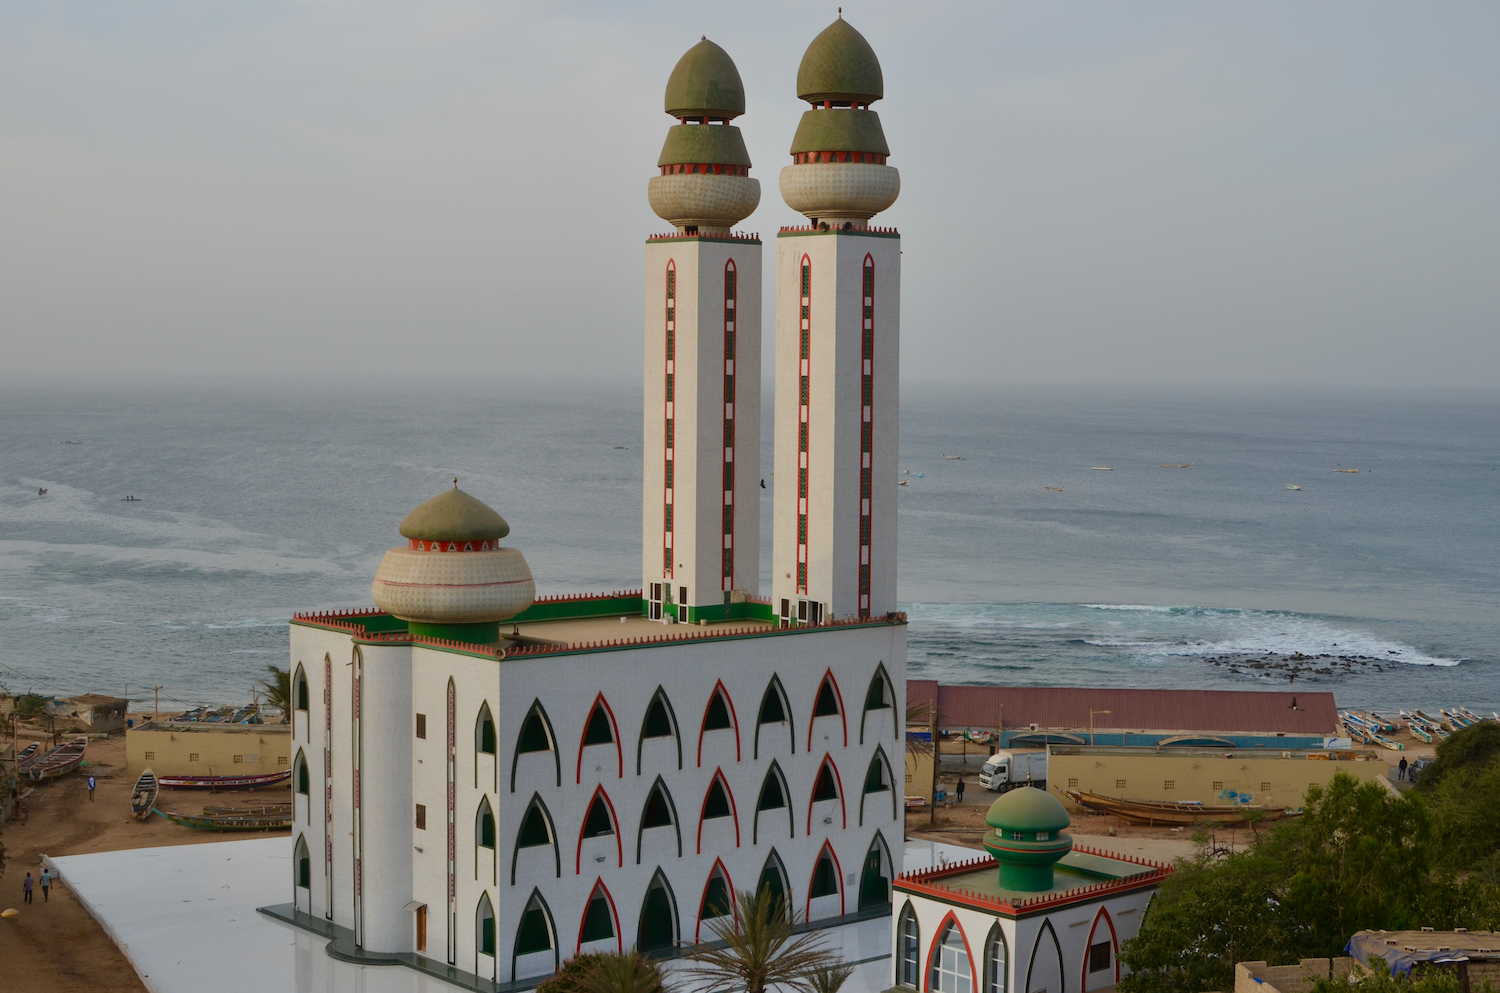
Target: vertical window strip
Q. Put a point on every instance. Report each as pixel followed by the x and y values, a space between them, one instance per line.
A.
pixel 730 334
pixel 802 425
pixel 452 826
pixel 669 426
pixel 866 432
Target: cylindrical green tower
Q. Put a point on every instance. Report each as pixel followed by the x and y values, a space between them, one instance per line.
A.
pixel 1027 838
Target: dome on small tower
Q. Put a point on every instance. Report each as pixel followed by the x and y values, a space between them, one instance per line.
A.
pixel 840 65
pixel 454 515
pixel 705 83
pixel 1027 837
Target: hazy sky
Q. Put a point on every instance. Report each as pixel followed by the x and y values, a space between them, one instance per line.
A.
pixel 1266 193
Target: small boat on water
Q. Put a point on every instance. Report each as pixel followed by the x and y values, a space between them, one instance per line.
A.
pixel 904 482
pixel 59 762
pixel 225 782
pixel 26 757
pixel 1346 470
pixel 1103 468
pixel 1294 486
pixel 1168 812
pixel 236 821
pixel 1177 465
pixel 1053 489
pixel 143 797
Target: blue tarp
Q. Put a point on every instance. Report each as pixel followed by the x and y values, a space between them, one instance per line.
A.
pixel 1368 946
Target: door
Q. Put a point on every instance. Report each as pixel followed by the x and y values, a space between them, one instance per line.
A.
pixel 874 888
pixel 422 929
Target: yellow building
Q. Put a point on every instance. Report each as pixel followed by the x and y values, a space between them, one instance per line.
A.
pixel 1258 776
pixel 207 749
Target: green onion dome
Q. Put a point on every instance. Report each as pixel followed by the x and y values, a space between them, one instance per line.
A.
pixel 1027 837
pixel 840 65
pixel 705 83
pixel 454 515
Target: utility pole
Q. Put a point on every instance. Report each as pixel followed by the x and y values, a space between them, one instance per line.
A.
pixel 932 724
pixel 156 704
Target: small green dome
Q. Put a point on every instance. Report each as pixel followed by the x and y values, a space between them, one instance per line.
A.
pixel 840 65
pixel 1029 809
pixel 705 83
pixel 453 515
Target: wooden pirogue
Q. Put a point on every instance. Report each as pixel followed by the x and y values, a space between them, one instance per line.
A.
pixel 1174 813
pixel 61 760
pixel 280 820
pixel 143 797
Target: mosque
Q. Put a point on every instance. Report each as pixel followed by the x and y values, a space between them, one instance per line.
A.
pixel 487 782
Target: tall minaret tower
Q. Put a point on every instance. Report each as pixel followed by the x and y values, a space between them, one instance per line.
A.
pixel 838 307
pixel 701 515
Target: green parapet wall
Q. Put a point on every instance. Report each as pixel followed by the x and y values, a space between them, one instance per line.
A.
pixel 749 610
pixel 563 610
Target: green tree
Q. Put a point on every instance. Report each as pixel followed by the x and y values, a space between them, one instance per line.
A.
pixel 630 972
pixel 279 688
pixel 829 978
pixel 572 972
pixel 758 946
pixel 1475 746
pixel 1380 980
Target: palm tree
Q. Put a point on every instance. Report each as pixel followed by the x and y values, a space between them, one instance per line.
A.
pixel 759 947
pixel 279 688
pixel 830 978
pixel 630 972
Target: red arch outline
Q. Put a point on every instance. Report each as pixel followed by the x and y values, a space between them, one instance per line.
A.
pixel 613 913
pixel 838 781
pixel 614 729
pixel 1114 952
pixel 734 718
pixel 614 820
pixel 937 936
pixel 734 809
pixel 728 881
pixel 843 713
pixel 838 870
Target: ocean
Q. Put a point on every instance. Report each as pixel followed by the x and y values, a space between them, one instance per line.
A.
pixel 260 498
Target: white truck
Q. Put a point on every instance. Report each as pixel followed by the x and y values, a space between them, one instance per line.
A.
pixel 1007 769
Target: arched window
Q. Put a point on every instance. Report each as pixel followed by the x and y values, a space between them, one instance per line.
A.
pixel 773 879
pixel 827 786
pixel 303 861
pixel 537 831
pixel 719 716
pixel 825 892
pixel 718 802
pixel 879 778
pixel 304 775
pixel 536 940
pixel 660 722
pixel 774 709
pixel 658 928
pixel 599 822
pixel 484 825
pixel 909 952
pixel 952 972
pixel 880 696
pixel 484 731
pixel 600 923
pixel 996 978
pixel 299 689
pixel 824 787
pixel 484 926
pixel 536 737
pixel 659 812
pixel 828 703
pixel 717 902
pixel 600 729
pixel 773 796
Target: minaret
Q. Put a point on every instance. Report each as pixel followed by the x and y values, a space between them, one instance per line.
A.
pixel 838 300
pixel 701 510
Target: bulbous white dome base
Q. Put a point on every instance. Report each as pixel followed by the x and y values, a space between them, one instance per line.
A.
pixel 453 587
pixel 716 203
pixel 840 191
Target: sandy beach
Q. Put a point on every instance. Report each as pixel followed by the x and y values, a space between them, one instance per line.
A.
pixel 56 946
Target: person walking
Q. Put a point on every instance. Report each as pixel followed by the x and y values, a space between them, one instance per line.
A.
pixel 960 789
pixel 26 887
pixel 92 784
pixel 1401 769
pixel 46 884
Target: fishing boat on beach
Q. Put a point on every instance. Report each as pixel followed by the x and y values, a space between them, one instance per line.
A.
pixel 1417 729
pixel 26 757
pixel 236 821
pixel 225 782
pixel 1385 742
pixel 143 797
pixel 59 762
pixel 1173 813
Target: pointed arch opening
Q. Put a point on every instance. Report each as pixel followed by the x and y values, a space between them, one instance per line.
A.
pixel 773 879
pixel 717 901
pixel 774 796
pixel 537 832
pixel 1101 957
pixel 879 778
pixel 996 962
pixel 775 709
pixel 484 731
pixel 875 875
pixel 659 814
pixel 484 825
pixel 827 791
pixel 829 702
pixel 719 715
pixel 536 737
pixel 659 724
pixel 600 732
pixel 301 700
pixel 302 785
pixel 950 966
pixel 302 864
pixel 599 931
pixel 825 889
pixel 908 948
pixel 718 803
pixel 600 832
pixel 658 928
pixel 880 698
pixel 1045 968
pixel 536 952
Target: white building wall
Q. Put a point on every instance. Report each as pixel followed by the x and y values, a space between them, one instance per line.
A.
pixel 834 412
pixel 698 413
pixel 384 816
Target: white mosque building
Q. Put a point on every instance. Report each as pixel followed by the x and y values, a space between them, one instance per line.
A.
pixel 487 782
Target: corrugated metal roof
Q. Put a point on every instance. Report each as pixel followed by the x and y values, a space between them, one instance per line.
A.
pixel 1067 707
